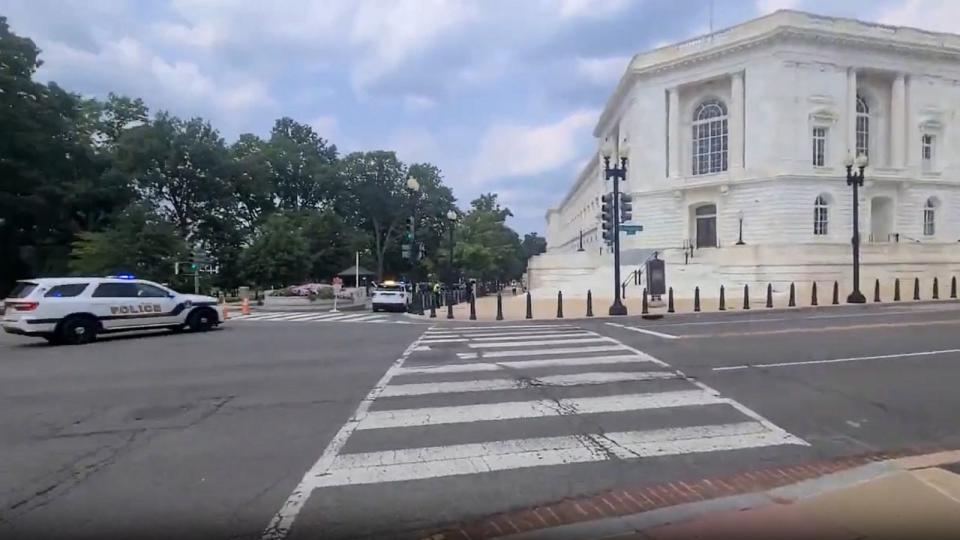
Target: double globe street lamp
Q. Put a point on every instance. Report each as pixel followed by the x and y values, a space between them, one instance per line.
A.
pixel 855 179
pixel 413 185
pixel 616 173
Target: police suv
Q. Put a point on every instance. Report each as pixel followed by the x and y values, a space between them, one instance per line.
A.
pixel 391 296
pixel 74 310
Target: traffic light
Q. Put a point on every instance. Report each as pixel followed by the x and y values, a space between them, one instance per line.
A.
pixel 411 230
pixel 626 207
pixel 606 216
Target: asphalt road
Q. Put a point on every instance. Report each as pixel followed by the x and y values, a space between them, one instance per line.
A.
pixel 213 435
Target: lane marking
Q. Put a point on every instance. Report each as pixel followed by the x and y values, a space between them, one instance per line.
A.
pixel 494 327
pixel 484 385
pixel 454 460
pixel 487 412
pixel 506 333
pixel 537 342
pixel 528 336
pixel 308 316
pixel 370 318
pixel 824 329
pixel 540 352
pixel 445 340
pixel 837 360
pixel 528 364
pixel 643 331
pixel 279 526
pixel 733 403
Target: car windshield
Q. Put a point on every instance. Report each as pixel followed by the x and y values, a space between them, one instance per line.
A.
pixel 22 289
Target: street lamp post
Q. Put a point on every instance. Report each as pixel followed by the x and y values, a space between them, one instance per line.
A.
pixel 740 241
pixel 616 173
pixel 452 218
pixel 416 305
pixel 855 179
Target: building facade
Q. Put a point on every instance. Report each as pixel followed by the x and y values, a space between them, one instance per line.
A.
pixel 748 129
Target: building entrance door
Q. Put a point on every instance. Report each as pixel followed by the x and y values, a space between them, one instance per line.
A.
pixel 706 217
pixel 881 219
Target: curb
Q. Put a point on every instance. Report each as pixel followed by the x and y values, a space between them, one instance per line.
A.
pixel 623 510
pixel 663 315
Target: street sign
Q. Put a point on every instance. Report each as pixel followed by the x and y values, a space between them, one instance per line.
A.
pixel 631 229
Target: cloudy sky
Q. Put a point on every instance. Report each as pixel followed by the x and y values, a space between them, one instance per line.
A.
pixel 501 94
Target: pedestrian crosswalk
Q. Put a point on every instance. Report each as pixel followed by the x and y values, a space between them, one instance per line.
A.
pixel 472 400
pixel 313 316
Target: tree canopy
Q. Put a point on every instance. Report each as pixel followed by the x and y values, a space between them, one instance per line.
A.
pixel 90 186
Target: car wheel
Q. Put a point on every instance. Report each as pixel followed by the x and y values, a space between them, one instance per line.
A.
pixel 375 309
pixel 201 320
pixel 53 339
pixel 77 331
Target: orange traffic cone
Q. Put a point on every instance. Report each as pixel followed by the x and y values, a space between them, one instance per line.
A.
pixel 226 312
pixel 245 307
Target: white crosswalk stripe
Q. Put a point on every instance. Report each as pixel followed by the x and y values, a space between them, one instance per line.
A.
pixel 300 317
pixel 483 409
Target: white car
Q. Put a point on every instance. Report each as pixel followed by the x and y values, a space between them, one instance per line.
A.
pixel 390 296
pixel 74 310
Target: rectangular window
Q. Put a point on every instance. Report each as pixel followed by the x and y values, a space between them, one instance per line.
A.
pixel 927 143
pixel 67 290
pixel 820 221
pixel 929 222
pixel 116 290
pixel 863 134
pixel 819 146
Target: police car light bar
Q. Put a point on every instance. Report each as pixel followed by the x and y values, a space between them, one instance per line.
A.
pixel 122 276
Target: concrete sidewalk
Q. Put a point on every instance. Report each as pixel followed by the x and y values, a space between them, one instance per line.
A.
pixel 915 497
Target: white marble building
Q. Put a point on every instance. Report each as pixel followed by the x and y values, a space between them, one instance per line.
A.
pixel 754 123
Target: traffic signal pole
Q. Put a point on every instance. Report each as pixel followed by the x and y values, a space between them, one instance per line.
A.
pixel 616 173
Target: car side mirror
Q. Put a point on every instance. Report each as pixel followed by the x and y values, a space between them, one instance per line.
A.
pixel 171 295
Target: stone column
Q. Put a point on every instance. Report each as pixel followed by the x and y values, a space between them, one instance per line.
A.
pixel 898 122
pixel 736 121
pixel 851 112
pixel 673 131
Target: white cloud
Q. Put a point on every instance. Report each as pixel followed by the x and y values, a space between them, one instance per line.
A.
pixel 934 15
pixel 509 150
pixel 325 125
pixel 602 71
pixel 769 6
pixel 590 8
pixel 414 103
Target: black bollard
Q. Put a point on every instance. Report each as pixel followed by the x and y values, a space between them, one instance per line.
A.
pixel 529 306
pixel 793 296
pixel 953 287
pixel 696 299
pixel 589 303
pixel 876 291
pixel 645 309
pixel 723 300
pixel 499 307
pixel 769 295
pixel 670 301
pixel 936 289
pixel 746 297
pixel 916 288
pixel 813 295
pixel 559 304
pixel 896 290
pixel 473 307
pixel 449 306
pixel 433 307
pixel 836 293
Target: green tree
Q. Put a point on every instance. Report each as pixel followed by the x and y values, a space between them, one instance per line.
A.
pixel 279 255
pixel 485 247
pixel 139 241
pixel 533 244
pixel 302 166
pixel 179 166
pixel 376 198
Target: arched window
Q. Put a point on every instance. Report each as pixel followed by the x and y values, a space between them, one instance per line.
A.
pixel 821 216
pixel 863 126
pixel 710 137
pixel 930 217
